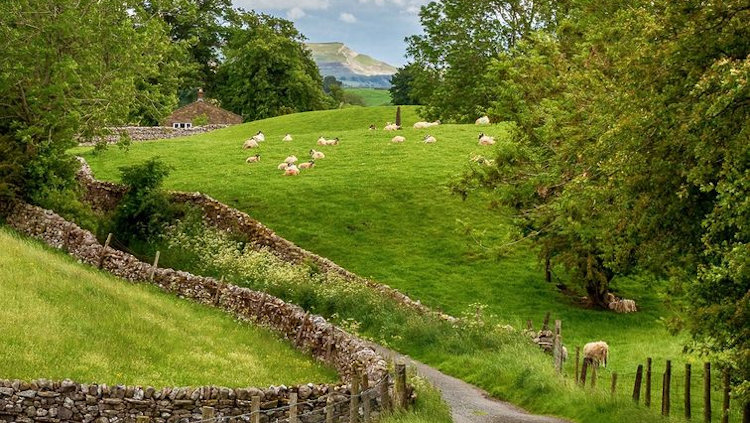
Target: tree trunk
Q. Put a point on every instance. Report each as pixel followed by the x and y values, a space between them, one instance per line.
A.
pixel 597 278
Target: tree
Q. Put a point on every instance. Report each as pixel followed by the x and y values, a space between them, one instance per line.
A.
pixel 267 71
pixel 403 90
pixel 69 68
pixel 333 87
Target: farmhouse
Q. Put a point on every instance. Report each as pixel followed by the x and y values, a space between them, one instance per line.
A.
pixel 185 116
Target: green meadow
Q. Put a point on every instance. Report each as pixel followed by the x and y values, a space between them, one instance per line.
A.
pixel 372 96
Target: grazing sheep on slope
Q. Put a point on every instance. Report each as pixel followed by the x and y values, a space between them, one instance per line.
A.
pixel 322 140
pixel 291 159
pixel 597 353
pixel 253 159
pixel 259 136
pixel 486 139
pixel 251 143
pixel 287 137
pixel 282 166
pixel 291 170
pixel 429 139
pixel 484 120
pixel 391 127
pixel 621 305
pixel 317 154
pixel 398 139
pixel 425 125
pixel 307 165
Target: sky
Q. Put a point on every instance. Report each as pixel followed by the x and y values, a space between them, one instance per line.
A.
pixel 373 27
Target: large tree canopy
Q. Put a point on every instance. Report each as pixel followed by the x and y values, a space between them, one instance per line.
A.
pixel 267 70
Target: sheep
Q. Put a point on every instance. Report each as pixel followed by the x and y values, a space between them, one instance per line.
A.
pixel 621 305
pixel 251 143
pixel 291 170
pixel 564 353
pixel 322 140
pixel 597 353
pixel 307 165
pixel 253 159
pixel 373 128
pixel 291 159
pixel 282 166
pixel 429 139
pixel 317 154
pixel 391 127
pixel 425 125
pixel 334 141
pixel 486 139
pixel 259 136
pixel 398 139
pixel 484 120
pixel 287 138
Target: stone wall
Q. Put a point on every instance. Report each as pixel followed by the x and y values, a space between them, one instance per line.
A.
pixel 38 401
pixel 104 196
pixel 148 133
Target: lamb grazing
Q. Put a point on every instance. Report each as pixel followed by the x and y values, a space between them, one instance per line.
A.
pixel 429 139
pixel 425 125
pixel 307 165
pixel 282 166
pixel 317 154
pixel 253 159
pixel 486 139
pixel 251 143
pixel 291 170
pixel 322 141
pixel 291 159
pixel 484 120
pixel 287 138
pixel 597 353
pixel 373 128
pixel 398 139
pixel 259 136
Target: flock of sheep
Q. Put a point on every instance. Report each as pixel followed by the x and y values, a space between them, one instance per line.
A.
pixel 291 168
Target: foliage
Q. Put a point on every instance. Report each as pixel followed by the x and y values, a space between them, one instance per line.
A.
pixel 403 90
pixel 353 99
pixel 144 210
pixel 201 120
pixel 70 68
pixel 267 70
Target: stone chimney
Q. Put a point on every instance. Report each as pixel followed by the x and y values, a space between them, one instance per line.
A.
pixel 200 94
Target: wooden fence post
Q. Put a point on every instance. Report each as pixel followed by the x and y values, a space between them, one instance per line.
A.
pixel 329 409
pixel 583 371
pixel 155 266
pixel 647 400
pixel 688 374
pixel 707 392
pixel 578 357
pixel 746 412
pixel 365 406
pixel 529 325
pixel 103 253
pixel 614 383
pixel 385 403
pixel 725 402
pixel 208 413
pixel 354 398
pixel 545 326
pixel 637 385
pixel 558 353
pixel 668 388
pixel 255 409
pixel 292 407
pixel 400 386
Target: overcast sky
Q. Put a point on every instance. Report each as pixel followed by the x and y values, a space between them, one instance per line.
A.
pixel 373 27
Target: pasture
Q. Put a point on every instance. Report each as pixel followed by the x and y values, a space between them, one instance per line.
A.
pixel 385 211
pixel 372 96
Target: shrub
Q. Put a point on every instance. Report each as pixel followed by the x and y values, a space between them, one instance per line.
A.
pixel 201 120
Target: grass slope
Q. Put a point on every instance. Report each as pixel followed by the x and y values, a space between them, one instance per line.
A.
pixel 383 211
pixel 372 96
pixel 59 320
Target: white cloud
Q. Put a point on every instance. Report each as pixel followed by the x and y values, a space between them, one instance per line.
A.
pixel 295 13
pixel 347 17
pixel 284 4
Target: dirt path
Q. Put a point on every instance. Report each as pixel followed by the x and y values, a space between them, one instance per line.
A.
pixel 468 403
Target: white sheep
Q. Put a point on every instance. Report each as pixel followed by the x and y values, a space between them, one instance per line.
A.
pixel 317 154
pixel 291 159
pixel 597 353
pixel 429 139
pixel 425 125
pixel 391 127
pixel 334 141
pixel 484 120
pixel 282 166
pixel 253 159
pixel 251 143
pixel 287 138
pixel 322 140
pixel 259 136
pixel 486 139
pixel 291 170
pixel 398 139
pixel 307 165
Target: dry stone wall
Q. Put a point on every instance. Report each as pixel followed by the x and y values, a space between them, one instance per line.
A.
pixel 67 401
pixel 104 196
pixel 148 133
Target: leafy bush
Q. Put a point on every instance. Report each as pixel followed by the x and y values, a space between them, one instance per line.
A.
pixel 201 120
pixel 144 210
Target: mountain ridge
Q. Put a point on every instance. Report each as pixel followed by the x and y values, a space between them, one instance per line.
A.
pixel 350 67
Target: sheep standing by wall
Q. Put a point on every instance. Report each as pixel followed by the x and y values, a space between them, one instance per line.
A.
pixel 597 353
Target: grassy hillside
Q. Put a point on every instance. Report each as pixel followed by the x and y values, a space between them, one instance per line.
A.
pixel 372 96
pixel 383 210
pixel 59 319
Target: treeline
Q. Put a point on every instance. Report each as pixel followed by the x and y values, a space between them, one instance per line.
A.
pixel 630 151
pixel 72 67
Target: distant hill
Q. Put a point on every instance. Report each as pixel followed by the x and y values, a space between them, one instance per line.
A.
pixel 351 68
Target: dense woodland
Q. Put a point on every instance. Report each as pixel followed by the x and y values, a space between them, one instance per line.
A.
pixel 630 119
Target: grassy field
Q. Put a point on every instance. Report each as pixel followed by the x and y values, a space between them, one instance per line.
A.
pixel 60 320
pixel 372 96
pixel 383 211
